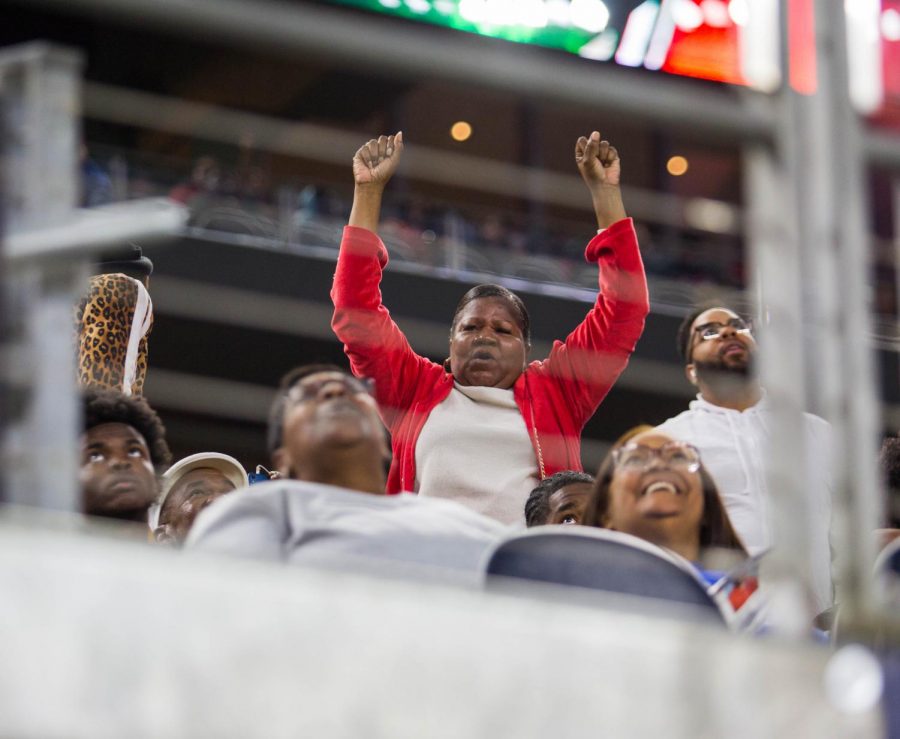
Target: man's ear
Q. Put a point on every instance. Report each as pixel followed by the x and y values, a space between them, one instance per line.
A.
pixel 280 461
pixel 691 373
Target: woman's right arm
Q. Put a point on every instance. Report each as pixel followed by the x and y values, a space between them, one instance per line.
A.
pixel 375 344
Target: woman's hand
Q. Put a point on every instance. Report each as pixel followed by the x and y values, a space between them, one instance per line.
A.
pixel 373 166
pixel 376 161
pixel 597 161
pixel 600 167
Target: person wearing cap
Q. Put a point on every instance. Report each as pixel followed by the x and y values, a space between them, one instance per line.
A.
pixel 189 486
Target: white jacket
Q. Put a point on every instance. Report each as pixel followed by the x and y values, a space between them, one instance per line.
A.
pixel 732 446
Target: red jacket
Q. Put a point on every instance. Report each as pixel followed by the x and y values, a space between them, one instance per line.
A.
pixel 556 396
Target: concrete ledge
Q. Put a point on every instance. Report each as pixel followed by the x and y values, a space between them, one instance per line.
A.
pixel 103 637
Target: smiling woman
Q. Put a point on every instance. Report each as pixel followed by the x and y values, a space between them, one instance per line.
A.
pixel 657 489
pixel 486 426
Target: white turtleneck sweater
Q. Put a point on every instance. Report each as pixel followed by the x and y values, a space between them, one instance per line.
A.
pixel 475 449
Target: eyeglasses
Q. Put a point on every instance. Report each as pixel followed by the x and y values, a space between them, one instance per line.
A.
pixel 306 391
pixel 636 457
pixel 714 330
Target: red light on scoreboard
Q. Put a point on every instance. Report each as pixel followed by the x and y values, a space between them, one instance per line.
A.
pixel 710 51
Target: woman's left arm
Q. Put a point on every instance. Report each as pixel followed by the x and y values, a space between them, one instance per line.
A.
pixel 588 362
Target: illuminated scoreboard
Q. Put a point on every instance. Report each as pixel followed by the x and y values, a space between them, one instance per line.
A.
pixel 699 38
pixel 733 41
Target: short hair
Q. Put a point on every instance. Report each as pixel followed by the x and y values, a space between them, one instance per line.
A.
pixel 101 406
pixel 490 290
pixel 683 337
pixel 537 507
pixel 275 429
pixel 715 526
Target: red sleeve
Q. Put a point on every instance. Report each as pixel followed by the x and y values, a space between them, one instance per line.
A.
pixel 588 362
pixel 375 344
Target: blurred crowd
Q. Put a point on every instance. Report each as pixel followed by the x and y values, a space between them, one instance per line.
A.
pixel 244 199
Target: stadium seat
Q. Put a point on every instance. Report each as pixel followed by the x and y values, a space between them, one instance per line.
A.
pixel 888 561
pixel 600 560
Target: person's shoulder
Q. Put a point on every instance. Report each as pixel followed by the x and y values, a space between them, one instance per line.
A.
pixel 256 499
pixel 817 423
pixel 680 423
pixel 818 428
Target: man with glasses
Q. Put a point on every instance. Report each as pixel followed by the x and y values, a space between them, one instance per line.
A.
pixel 328 444
pixel 729 423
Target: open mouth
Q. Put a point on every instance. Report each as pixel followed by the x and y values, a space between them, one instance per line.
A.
pixel 733 349
pixel 660 486
pixel 483 356
pixel 341 407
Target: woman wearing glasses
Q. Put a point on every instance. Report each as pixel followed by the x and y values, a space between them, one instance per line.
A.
pixel 656 488
pixel 487 425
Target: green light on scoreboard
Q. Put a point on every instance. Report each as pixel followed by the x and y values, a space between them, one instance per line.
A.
pixel 557 24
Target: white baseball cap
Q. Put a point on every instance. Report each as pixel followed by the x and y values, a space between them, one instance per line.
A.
pixel 232 469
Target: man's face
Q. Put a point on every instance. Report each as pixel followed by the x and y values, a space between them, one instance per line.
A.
pixel 326 412
pixel 487 347
pixel 567 504
pixel 117 477
pixel 190 494
pixel 730 351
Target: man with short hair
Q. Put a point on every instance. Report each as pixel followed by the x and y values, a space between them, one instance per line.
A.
pixel 559 499
pixel 326 438
pixel 729 422
pixel 123 447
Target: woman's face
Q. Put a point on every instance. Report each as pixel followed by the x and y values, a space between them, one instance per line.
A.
pixel 658 497
pixel 487 347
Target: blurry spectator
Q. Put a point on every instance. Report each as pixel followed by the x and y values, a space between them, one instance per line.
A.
pixel 560 498
pixel 205 180
pixel 729 423
pixel 122 449
pixel 96 185
pixel 190 485
pixel 325 435
pixel 324 426
pixel 254 187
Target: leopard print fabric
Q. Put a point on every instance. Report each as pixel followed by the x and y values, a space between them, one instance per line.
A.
pixel 103 326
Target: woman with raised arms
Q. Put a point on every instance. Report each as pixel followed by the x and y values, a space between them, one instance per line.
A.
pixel 487 425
